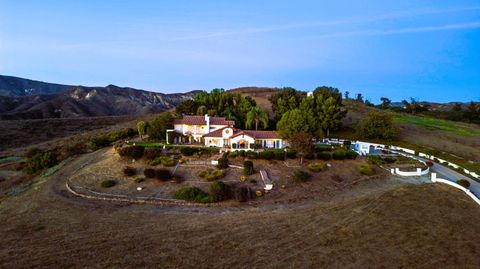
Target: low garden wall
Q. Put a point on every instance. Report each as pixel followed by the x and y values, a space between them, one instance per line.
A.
pixel 453 184
pixel 466 171
pixel 417 173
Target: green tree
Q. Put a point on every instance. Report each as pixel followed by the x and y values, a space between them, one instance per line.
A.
pixel 141 128
pixel 202 110
pixel 385 102
pixel 284 100
pixel 295 121
pixel 359 98
pixel 302 143
pixel 377 125
pixel 157 127
pixel 257 115
pixel 472 113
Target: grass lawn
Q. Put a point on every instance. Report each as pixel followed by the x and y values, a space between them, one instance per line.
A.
pixel 146 144
pixel 437 124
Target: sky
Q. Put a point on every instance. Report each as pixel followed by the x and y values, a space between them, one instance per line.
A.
pixel 427 50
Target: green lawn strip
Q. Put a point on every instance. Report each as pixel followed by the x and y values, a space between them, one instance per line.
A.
pixel 10 159
pixel 52 170
pixel 146 144
pixel 436 124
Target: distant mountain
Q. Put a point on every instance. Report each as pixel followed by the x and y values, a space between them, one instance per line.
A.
pixel 28 99
pixel 14 86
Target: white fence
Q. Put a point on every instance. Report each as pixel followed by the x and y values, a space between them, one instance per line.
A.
pixel 453 184
pixel 466 171
pixel 417 173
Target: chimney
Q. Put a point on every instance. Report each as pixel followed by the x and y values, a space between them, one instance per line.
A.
pixel 207 120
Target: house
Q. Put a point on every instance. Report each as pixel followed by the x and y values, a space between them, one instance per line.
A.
pixel 219 132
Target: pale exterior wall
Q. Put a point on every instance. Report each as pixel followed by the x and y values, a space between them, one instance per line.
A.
pixel 196 129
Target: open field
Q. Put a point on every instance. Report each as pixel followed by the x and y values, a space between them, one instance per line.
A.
pixel 457 128
pixel 381 223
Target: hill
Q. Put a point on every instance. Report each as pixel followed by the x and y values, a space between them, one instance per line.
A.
pixel 45 100
pixel 16 87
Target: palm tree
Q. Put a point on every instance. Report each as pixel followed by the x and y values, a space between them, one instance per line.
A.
pixel 257 115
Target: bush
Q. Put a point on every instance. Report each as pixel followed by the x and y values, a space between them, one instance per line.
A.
pixel 108 183
pixel 248 168
pixel 266 155
pixel 242 153
pixel 40 161
pixel 190 194
pixel 149 173
pixel 139 179
pixel 324 155
pixel 152 153
pixel 429 163
pixel 365 169
pixel 279 154
pixel 339 155
pixel 99 142
pixel 218 174
pixel 219 191
pixel 202 173
pixel 188 151
pixel 167 161
pixel 163 174
pixel 232 154
pixel 129 171
pixel 252 154
pixel 291 154
pixel 316 167
pixel 222 163
pixel 350 154
pixel 464 183
pixel 300 175
pixel 323 148
pixel 135 152
pixel 241 194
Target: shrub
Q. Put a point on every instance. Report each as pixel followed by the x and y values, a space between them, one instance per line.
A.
pixel 202 173
pixel 300 175
pixel 365 169
pixel 326 156
pixel 190 194
pixel 32 152
pixel 464 183
pixel 241 194
pixel 139 179
pixel 248 168
pixel 188 151
pixel 40 161
pixel 135 152
pixel 266 155
pixel 108 183
pixel 219 191
pixel 252 154
pixel 323 148
pixel 242 153
pixel 429 163
pixel 232 154
pixel 291 154
pixel 129 171
pixel 222 163
pixel 149 173
pixel 152 153
pixel 163 174
pixel 316 167
pixel 218 174
pixel 279 155
pixel 350 154
pixel 99 142
pixel 339 155
pixel 167 161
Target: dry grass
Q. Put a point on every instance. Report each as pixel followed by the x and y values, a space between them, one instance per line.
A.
pixel 423 226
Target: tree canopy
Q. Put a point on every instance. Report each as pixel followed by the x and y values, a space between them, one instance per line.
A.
pixel 255 116
pixel 378 125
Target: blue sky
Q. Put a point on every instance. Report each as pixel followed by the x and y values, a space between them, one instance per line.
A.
pixel 429 50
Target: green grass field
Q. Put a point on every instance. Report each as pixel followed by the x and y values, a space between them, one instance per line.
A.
pixel 437 124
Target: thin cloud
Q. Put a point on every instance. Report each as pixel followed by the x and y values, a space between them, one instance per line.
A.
pixel 311 24
pixel 459 26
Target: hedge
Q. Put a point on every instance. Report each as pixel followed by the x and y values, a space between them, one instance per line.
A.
pixel 326 156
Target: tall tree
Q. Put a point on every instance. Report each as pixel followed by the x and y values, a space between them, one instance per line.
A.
pixel 284 100
pixel 157 127
pixel 347 95
pixel 257 115
pixel 385 102
pixel 378 125
pixel 141 128
pixel 295 121
pixel 472 113
pixel 359 98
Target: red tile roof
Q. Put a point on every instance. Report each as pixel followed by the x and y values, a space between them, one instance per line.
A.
pixel 257 134
pixel 216 133
pixel 200 120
